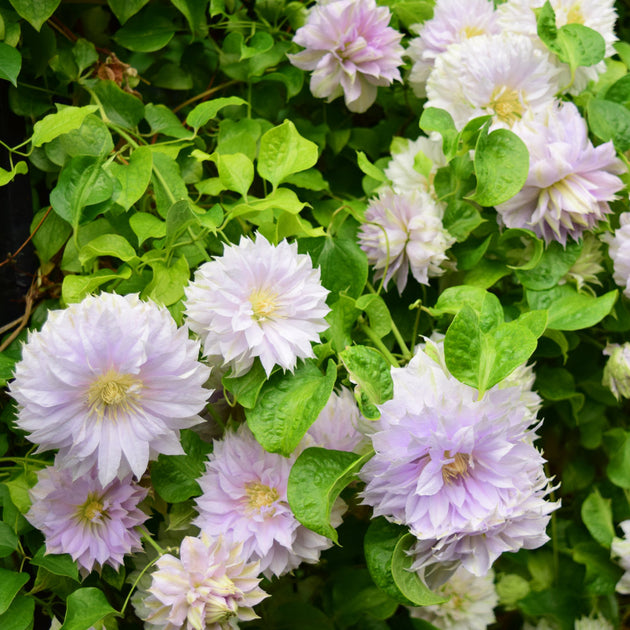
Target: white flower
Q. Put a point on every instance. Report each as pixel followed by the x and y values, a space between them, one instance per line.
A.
pixel 402 232
pixel 503 76
pixel 109 382
pixel 599 622
pixel 517 16
pixel 470 605
pixel 619 251
pixel 620 549
pixel 257 300
pixel 402 171
pixel 453 21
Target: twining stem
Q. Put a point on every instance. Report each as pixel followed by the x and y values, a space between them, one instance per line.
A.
pixel 376 340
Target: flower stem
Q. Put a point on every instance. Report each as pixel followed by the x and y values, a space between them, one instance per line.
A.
pixel 376 340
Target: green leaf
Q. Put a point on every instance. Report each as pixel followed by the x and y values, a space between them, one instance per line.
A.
pixel 168 184
pixel 411 12
pixel 461 218
pixel 316 479
pixel 84 53
pixel 63 121
pixel 554 264
pixel 451 300
pixel 85 607
pixel 19 490
pixel 246 388
pixel 57 564
pixel 195 13
pixel 124 9
pixel 178 219
pixel 370 372
pixel 481 356
pixel 8 540
pixel 134 177
pixel 19 615
pixel 91 138
pixel 434 119
pixel 369 169
pixel 147 226
pixel 580 45
pixel 107 245
pixel 82 186
pixel 385 544
pixel 161 119
pixel 288 404
pixel 174 477
pixel 35 12
pixel 617 443
pixel 146 32
pixel 168 282
pixel 236 172
pixel 501 166
pixel 10 63
pixel 205 112
pixel 10 584
pixel 609 121
pixel 597 516
pixel 120 107
pixel 283 151
pixel 379 316
pixel 21 168
pixel 570 310
pixel 75 288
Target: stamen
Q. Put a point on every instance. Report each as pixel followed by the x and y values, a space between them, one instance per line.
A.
pixel 507 105
pixel 457 468
pixel 263 303
pixel 112 391
pixel 260 495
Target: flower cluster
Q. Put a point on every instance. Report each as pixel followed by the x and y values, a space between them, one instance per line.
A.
pixel 461 473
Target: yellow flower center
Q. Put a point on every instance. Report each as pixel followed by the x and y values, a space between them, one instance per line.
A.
pixel 264 303
pixel 472 31
pixel 92 509
pixel 112 391
pixel 259 495
pixel 506 104
pixel 574 16
pixel 457 468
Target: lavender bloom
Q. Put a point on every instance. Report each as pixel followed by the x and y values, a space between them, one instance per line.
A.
pixel 619 251
pixel 461 473
pixel 570 181
pixel 109 382
pixel 257 300
pixel 245 495
pixel 404 231
pixel 351 49
pixel 210 587
pixel 94 524
pixel 453 21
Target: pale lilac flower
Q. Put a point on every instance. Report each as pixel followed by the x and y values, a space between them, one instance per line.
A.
pixel 211 586
pixel 598 622
pixel 453 21
pixel 244 494
pixel 351 49
pixel 470 605
pixel 337 426
pixel 620 549
pixel 619 252
pixel 497 75
pixel 518 16
pixel 570 181
pixel 402 232
pixel 461 473
pixel 109 382
pixel 257 300
pixel 617 370
pixel 94 524
pixel 402 171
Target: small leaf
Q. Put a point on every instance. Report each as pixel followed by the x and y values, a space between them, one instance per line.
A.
pixel 85 607
pixel 236 172
pixel 147 226
pixel 597 516
pixel 168 282
pixel 609 121
pixel 21 168
pixel 369 169
pixel 246 388
pixel 434 119
pixel 146 32
pixel 10 63
pixel 288 404
pixel 120 107
pixel 134 177
pixel 63 121
pixel 8 540
pixel 75 288
pixel 205 112
pixel 316 479
pixel 501 166
pixel 124 9
pixel 57 564
pixel 10 584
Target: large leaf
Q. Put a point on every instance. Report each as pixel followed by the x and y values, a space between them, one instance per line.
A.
pixel 35 12
pixel 10 584
pixel 85 607
pixel 10 63
pixel 597 516
pixel 205 112
pixel 63 121
pixel 288 404
pixel 134 177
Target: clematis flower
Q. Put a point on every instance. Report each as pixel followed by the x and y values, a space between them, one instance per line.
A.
pixel 257 300
pixel 402 232
pixel 94 524
pixel 244 494
pixel 470 605
pixel 497 75
pixel 109 382
pixel 351 50
pixel 211 586
pixel 570 181
pixel 461 473
pixel 453 21
pixel 617 370
pixel 619 251
pixel 620 549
